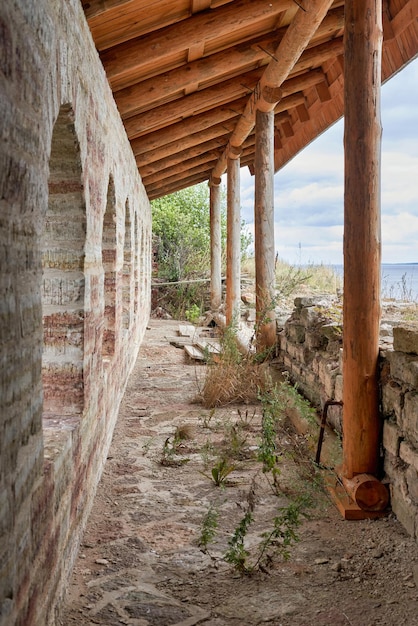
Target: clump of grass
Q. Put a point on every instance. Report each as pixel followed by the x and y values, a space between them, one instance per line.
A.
pixel 233 378
pixel 184 432
pixel 316 278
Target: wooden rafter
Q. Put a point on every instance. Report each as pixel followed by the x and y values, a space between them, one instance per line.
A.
pixel 188 75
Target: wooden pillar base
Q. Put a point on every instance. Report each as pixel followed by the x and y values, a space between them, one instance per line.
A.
pixel 344 493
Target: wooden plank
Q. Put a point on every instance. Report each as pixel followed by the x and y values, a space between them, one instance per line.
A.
pixel 210 345
pixel 183 145
pixel 406 16
pixel 297 37
pixel 204 160
pixel 187 330
pixel 194 353
pixel 129 59
pixel 179 342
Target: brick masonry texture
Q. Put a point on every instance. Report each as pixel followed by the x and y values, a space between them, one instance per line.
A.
pixel 310 348
pixel 68 279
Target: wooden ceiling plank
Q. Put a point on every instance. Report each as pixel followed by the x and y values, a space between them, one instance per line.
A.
pixel 179 156
pixel 157 191
pixel 235 60
pixel 200 169
pixel 297 37
pixel 180 130
pixel 163 116
pixel 189 142
pixel 136 18
pixel 128 58
pixel 191 105
pixel 406 16
pixel 200 5
pixel 194 131
pixel 92 8
pixel 191 165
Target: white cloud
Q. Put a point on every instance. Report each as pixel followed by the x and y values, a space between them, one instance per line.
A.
pixel 309 191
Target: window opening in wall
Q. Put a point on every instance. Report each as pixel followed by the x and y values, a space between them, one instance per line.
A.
pixel 63 285
pixel 109 249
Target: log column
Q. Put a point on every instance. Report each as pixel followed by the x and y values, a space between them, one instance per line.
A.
pixel 362 247
pixel 215 245
pixel 233 243
pixel 264 230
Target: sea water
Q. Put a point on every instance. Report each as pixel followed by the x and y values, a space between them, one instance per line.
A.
pixel 399 280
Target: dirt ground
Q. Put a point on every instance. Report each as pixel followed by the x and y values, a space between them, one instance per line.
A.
pixel 140 562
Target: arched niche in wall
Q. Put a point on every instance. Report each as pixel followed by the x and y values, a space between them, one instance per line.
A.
pixel 63 286
pixel 136 265
pixel 127 269
pixel 109 250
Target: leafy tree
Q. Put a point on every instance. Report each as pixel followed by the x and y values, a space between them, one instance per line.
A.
pixel 181 225
pixel 181 229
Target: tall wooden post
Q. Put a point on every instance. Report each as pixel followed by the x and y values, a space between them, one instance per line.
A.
pixel 362 248
pixel 233 243
pixel 215 245
pixel 264 230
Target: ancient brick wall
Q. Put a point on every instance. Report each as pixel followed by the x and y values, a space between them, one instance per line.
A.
pixel 75 233
pixel 310 350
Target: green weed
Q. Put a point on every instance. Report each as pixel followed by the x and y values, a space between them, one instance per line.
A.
pixel 209 528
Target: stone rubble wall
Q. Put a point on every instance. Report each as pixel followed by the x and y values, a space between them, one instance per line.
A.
pixel 310 350
pixel 75 241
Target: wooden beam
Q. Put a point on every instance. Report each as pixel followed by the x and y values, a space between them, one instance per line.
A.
pixel 215 248
pixel 191 171
pixel 406 16
pixel 196 103
pixel 93 8
pixel 264 231
pixel 223 65
pixel 228 64
pixel 297 37
pixel 158 191
pixel 180 130
pixel 187 165
pixel 362 244
pixel 189 144
pixel 199 150
pixel 233 244
pixel 126 62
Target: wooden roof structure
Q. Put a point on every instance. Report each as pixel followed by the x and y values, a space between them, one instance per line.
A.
pixel 186 73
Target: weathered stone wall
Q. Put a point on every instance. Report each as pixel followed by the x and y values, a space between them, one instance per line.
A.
pixel 75 233
pixel 310 346
pixel 399 384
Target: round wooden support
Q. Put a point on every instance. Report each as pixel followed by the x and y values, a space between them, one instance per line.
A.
pixel 367 492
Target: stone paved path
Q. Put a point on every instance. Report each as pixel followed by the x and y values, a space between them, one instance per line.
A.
pixel 140 563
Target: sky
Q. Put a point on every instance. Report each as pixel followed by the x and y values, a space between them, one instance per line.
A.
pixel 308 191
